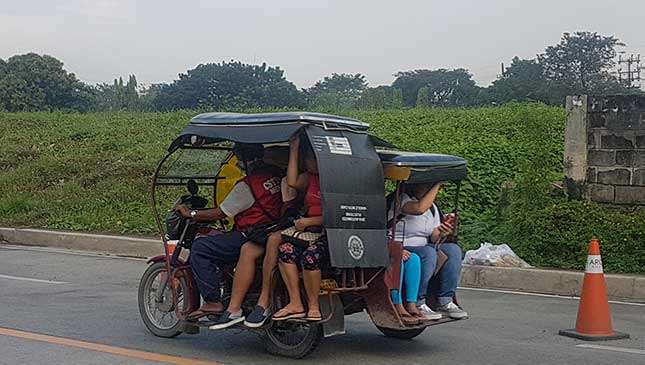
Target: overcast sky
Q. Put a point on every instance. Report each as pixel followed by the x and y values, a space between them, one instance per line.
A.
pixel 157 39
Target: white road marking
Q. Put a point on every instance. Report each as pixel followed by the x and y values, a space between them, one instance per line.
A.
pixel 31 279
pixel 544 295
pixel 67 251
pixel 611 348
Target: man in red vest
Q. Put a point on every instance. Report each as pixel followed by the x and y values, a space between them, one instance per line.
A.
pixel 256 200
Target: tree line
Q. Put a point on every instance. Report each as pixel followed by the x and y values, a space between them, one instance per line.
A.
pixel 581 63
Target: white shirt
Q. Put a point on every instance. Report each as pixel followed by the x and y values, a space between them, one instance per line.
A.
pixel 415 230
pixel 240 198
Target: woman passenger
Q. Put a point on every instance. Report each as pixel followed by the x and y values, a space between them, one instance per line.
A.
pixel 425 233
pixel 309 258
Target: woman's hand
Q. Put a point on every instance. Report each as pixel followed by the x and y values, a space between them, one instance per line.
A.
pixel 406 255
pixel 301 224
pixel 446 229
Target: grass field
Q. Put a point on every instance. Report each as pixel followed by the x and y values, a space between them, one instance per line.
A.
pixel 91 172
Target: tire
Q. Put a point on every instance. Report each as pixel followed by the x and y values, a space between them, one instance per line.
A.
pixel 306 337
pixel 290 338
pixel 148 305
pixel 401 334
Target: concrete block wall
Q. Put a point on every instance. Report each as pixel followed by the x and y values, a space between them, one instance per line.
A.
pixel 605 147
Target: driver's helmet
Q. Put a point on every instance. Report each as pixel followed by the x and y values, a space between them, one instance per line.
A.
pixel 248 151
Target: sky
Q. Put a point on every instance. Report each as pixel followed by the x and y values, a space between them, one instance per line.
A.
pixel 99 40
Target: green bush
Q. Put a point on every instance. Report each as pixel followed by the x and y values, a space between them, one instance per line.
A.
pixel 558 236
pixel 92 171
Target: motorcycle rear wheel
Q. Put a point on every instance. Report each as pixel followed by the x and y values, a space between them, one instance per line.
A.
pixel 290 338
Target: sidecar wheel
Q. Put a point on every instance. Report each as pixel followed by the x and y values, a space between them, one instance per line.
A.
pixel 406 334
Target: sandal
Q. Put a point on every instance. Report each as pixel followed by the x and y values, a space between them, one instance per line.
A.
pixel 313 318
pixel 200 313
pixel 284 314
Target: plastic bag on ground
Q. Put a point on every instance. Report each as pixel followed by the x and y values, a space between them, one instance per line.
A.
pixel 494 255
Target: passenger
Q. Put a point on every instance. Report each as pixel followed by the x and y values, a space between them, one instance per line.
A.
pixel 413 229
pixel 245 273
pixel 255 200
pixel 309 258
pixel 424 233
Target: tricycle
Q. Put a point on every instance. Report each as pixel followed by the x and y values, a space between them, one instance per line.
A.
pixel 356 169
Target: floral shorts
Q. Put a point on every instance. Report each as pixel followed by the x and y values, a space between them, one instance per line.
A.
pixel 309 258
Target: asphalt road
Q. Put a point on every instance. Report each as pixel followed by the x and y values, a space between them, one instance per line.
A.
pixel 77 297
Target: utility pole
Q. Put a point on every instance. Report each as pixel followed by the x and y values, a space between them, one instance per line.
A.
pixel 630 74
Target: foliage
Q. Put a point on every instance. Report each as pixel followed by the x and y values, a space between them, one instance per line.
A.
pixel 423 97
pixel 381 97
pixel 581 64
pixel 118 96
pixel 445 87
pixel 82 171
pixel 558 235
pixel 49 157
pixel 229 85
pixel 338 91
pixel 523 80
pixel 35 82
pixel 91 172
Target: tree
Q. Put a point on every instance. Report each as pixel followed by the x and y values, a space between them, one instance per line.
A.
pixel 581 63
pixel 445 87
pixel 229 85
pixel 148 96
pixel 338 91
pixel 381 97
pixel 117 96
pixel 3 68
pixel 32 82
pixel 523 80
pixel 423 97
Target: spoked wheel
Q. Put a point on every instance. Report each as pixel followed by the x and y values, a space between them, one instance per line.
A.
pixel 158 311
pixel 405 334
pixel 294 339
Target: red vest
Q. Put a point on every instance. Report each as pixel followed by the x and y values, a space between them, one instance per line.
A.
pixel 265 186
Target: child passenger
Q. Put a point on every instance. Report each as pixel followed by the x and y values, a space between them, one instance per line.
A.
pixel 309 258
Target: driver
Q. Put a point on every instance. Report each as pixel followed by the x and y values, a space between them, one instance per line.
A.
pixel 256 200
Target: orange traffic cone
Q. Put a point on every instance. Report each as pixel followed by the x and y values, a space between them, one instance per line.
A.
pixel 594 320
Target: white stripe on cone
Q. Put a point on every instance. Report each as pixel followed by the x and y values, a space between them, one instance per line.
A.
pixel 594 265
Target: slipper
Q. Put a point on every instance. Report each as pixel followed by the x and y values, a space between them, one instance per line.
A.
pixel 314 319
pixel 288 315
pixel 200 313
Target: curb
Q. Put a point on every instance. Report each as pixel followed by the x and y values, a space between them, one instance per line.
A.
pixel 556 282
pixel 113 245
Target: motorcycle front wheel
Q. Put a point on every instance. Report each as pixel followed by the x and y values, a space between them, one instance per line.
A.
pixel 157 309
